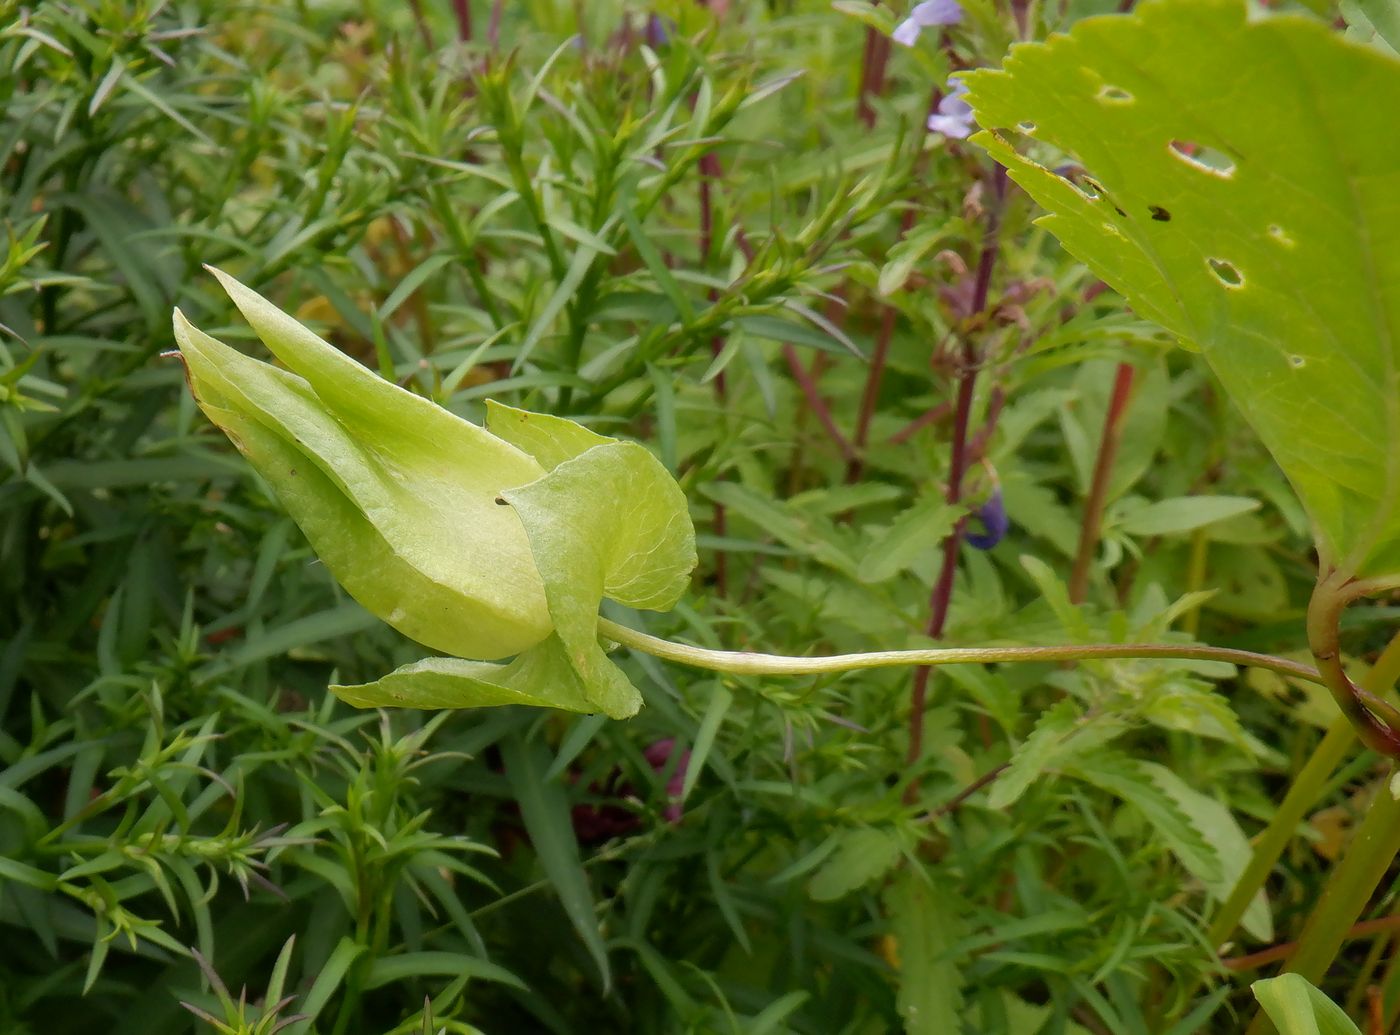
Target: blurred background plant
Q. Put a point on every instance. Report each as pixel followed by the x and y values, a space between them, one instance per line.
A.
pixel 726 231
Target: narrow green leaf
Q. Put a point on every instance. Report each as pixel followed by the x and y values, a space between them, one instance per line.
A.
pixel 1185 513
pixel 545 810
pixel 1133 782
pixel 861 857
pixel 328 981
pixel 926 925
pixel 918 530
pixel 411 282
pixel 656 265
pixel 409 965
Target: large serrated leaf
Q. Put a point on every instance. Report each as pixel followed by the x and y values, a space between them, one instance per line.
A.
pixel 1252 214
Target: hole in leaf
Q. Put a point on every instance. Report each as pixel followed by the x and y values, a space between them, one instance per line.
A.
pixel 1226 273
pixel 1115 95
pixel 1159 213
pixel 1207 159
pixel 1297 362
pixel 1080 181
pixel 1026 127
pixel 1278 234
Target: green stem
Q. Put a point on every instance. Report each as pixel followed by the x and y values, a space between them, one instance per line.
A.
pixel 1374 720
pixel 1302 795
pixel 1348 890
pixel 745 663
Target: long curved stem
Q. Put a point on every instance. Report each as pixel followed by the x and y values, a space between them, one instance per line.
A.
pixel 745 663
pixel 1376 722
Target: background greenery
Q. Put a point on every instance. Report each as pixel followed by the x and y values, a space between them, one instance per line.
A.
pixel 704 228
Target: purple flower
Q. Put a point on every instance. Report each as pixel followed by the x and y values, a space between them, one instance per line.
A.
pixel 925 16
pixel 954 115
pixel 992 517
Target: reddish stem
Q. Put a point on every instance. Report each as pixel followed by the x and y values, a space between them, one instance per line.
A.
pixel 941 597
pixel 812 394
pixel 872 82
pixel 493 27
pixel 880 356
pixel 464 20
pixel 937 415
pixel 1274 953
pixel 1097 499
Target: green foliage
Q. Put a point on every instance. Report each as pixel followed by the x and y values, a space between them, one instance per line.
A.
pixel 688 239
pixel 1191 201
pixel 1298 1008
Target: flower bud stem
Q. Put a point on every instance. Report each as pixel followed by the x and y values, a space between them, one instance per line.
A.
pixel 745 663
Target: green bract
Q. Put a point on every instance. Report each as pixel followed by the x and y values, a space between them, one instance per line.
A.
pixel 482 544
pixel 1238 190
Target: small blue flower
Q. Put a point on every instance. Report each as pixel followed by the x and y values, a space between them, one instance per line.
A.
pixel 954 115
pixel 992 517
pixel 925 16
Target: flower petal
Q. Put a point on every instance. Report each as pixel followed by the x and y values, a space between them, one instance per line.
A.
pixel 937 12
pixel 906 32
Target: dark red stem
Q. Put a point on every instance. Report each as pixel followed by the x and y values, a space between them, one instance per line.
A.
pixel 464 20
pixel 942 595
pixel 1097 499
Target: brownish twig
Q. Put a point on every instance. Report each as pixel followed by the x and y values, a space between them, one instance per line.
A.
pixel 941 597
pixel 1097 499
pixel 1275 953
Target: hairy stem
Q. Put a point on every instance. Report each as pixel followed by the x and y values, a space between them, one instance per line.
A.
pixel 752 664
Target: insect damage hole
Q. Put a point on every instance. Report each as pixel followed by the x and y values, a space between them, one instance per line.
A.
pixel 1026 127
pixel 1115 95
pixel 1206 159
pixel 1297 362
pixel 1226 273
pixel 1160 214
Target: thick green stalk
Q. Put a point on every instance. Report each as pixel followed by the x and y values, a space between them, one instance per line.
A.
pixel 1375 845
pixel 745 663
pixel 1348 890
pixel 1302 796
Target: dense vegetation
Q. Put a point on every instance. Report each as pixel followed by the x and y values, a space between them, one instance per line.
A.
pixel 725 231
